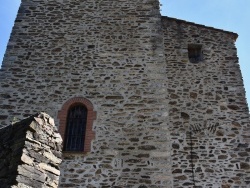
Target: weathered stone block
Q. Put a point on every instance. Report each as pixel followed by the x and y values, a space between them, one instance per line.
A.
pixel 23 158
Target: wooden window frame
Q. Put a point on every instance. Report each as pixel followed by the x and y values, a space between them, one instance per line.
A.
pixel 91 116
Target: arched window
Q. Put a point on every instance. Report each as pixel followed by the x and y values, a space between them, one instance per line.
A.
pixel 76 121
pixel 75 129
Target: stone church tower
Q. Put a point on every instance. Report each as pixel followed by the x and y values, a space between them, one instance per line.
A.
pixel 141 100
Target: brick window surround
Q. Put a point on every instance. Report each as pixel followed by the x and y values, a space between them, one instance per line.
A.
pixel 91 116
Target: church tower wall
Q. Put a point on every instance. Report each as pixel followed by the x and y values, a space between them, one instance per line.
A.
pixel 165 99
pixel 111 53
pixel 208 113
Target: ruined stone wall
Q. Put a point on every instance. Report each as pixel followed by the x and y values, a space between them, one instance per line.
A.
pixel 111 53
pixel 30 153
pixel 208 113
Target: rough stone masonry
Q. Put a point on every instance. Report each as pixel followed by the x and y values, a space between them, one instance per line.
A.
pixel 30 153
pixel 168 94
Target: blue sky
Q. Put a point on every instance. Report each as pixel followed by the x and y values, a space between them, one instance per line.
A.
pixel 231 15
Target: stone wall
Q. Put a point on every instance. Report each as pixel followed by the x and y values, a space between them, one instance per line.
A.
pixel 111 53
pixel 161 121
pixel 30 153
pixel 209 117
pixel 95 49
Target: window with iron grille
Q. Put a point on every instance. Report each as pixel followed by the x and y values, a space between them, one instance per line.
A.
pixel 75 128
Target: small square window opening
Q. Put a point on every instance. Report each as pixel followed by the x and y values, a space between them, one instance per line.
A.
pixel 194 53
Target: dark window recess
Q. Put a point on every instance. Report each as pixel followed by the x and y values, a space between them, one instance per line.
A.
pixel 194 53
pixel 91 46
pixel 76 128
